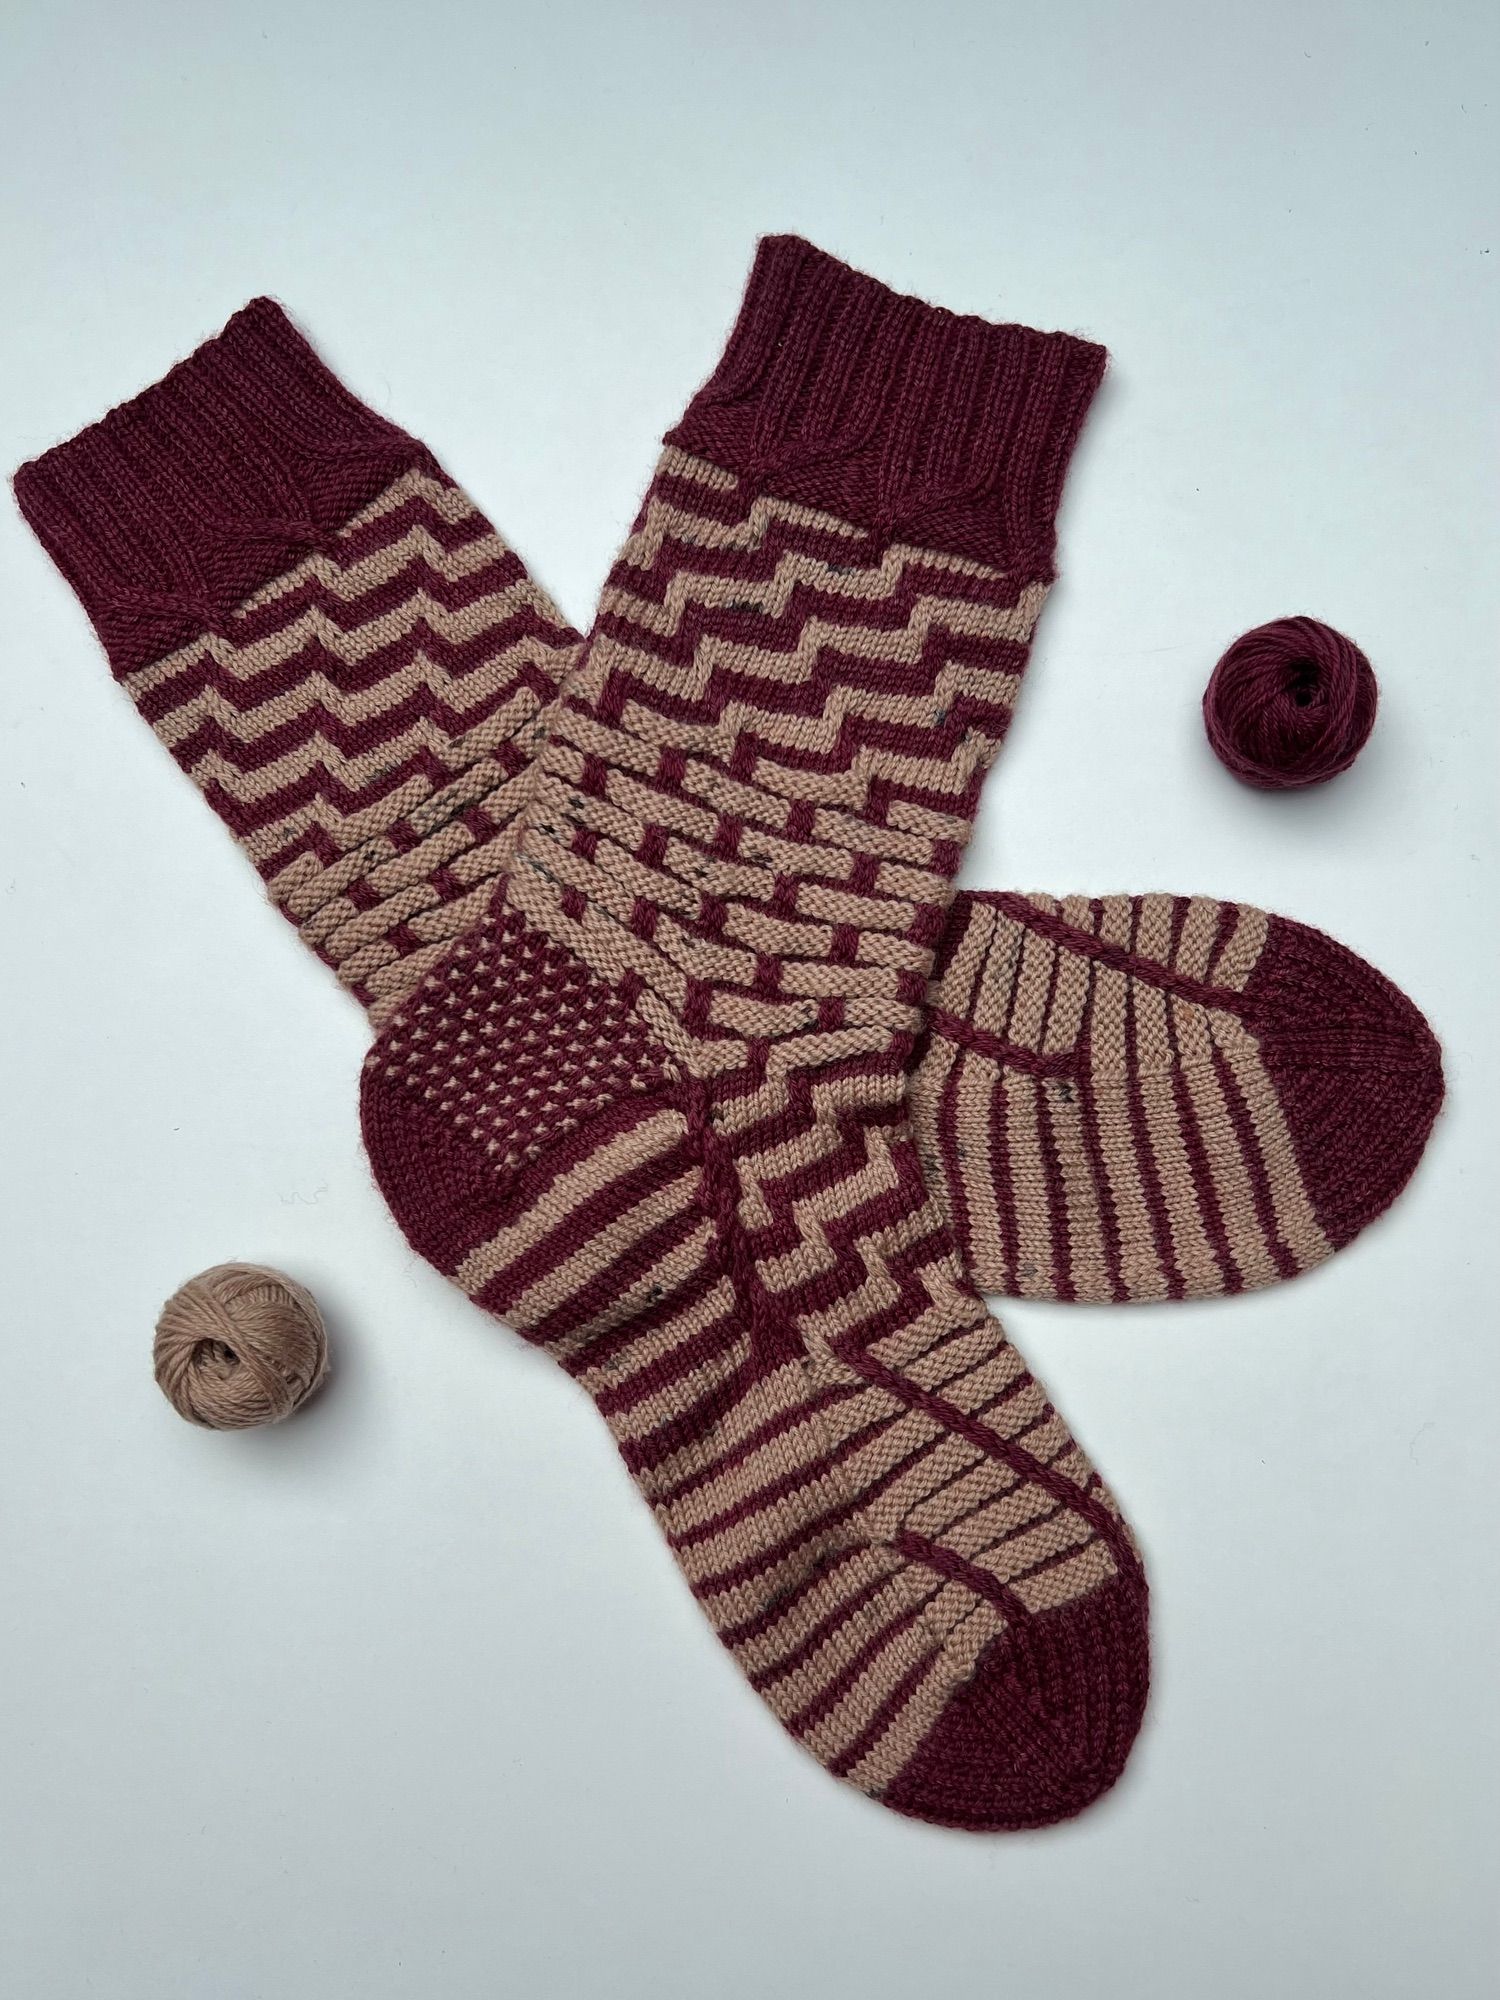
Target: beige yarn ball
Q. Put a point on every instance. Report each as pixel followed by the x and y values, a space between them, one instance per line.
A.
pixel 239 1345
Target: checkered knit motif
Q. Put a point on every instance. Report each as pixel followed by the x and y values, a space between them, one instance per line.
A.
pixel 651 1111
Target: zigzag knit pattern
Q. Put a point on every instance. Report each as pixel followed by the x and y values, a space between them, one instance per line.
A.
pixel 651 1111
pixel 366 724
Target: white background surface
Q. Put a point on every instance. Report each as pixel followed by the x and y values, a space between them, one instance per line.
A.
pixel 405 1698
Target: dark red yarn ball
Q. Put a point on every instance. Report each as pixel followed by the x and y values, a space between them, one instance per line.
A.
pixel 1290 704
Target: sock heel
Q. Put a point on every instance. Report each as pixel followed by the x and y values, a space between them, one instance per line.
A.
pixel 542 1093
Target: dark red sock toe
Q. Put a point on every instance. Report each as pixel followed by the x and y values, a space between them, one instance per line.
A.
pixel 1357 1070
pixel 1046 1724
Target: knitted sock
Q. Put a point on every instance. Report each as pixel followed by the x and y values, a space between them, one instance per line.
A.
pixel 651 1111
pixel 1115 1099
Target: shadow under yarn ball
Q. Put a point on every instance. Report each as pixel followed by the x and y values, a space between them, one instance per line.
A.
pixel 239 1345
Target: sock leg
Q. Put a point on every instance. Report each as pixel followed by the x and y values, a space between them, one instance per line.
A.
pixel 325 632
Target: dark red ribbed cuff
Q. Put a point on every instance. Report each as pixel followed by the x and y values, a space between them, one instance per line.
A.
pixel 920 424
pixel 175 507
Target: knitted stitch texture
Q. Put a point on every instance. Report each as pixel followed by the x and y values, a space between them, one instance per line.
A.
pixel 651 1111
pixel 364 722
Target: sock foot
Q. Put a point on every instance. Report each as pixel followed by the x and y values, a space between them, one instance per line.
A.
pixel 1161 1097
pixel 896 1540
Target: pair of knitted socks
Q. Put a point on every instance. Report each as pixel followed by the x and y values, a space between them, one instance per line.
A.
pixel 689 1064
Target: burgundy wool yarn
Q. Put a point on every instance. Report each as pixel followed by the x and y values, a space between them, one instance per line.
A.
pixel 1291 703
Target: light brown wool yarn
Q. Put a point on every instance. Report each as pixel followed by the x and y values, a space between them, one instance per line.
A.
pixel 239 1345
